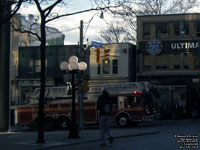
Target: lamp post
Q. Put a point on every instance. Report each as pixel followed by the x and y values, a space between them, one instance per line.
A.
pixel 73 67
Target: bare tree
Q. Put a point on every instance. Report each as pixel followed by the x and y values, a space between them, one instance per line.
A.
pixel 157 7
pixel 133 8
pixel 16 6
pixel 113 33
pixel 47 14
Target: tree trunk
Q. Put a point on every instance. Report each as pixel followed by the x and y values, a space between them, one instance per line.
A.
pixel 42 84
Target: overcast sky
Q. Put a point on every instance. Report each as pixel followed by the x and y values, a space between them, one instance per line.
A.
pixel 70 26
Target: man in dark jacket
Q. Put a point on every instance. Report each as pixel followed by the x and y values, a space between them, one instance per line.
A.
pixel 104 107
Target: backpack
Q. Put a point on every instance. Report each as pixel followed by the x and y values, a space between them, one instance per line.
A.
pixel 107 108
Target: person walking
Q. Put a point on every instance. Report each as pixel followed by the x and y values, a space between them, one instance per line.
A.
pixel 104 107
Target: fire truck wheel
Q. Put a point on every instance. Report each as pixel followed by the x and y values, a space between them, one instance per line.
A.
pixel 123 120
pixel 63 123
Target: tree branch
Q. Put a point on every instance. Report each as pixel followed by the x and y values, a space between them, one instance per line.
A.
pixel 22 30
pixel 12 13
pixel 50 8
pixel 83 11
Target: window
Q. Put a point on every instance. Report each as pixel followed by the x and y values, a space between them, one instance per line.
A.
pixel 30 66
pixel 177 29
pixel 37 65
pixel 177 67
pixel 158 67
pixel 186 28
pixel 115 66
pixel 161 28
pixel 186 67
pixel 106 67
pixel 164 67
pixel 147 68
pixel 198 29
pixel 99 69
pixel 147 29
pixel 34 65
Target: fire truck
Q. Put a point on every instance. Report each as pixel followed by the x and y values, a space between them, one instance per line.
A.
pixel 132 102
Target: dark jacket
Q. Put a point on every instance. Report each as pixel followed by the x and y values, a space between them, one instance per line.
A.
pixel 103 100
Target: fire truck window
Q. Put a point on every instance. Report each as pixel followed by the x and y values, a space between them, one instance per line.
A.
pixel 147 99
pixel 114 100
pixel 133 101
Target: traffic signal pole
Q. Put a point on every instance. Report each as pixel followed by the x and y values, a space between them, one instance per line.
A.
pixel 80 85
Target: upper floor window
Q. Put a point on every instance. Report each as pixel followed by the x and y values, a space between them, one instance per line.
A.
pixel 30 66
pixel 186 28
pixel 115 66
pixel 161 28
pixel 198 29
pixel 177 29
pixel 34 65
pixel 106 67
pixel 99 69
pixel 147 29
pixel 37 65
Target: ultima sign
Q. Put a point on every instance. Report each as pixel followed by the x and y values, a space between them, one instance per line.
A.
pixel 153 47
pixel 185 45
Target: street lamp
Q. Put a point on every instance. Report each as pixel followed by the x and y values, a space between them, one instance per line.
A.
pixel 73 67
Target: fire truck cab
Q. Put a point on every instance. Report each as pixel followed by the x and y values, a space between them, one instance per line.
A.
pixel 132 102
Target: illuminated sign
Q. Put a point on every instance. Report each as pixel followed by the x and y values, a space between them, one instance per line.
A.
pixel 185 45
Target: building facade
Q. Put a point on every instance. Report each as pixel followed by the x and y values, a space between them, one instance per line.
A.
pixel 169 56
pixel 54 37
pixel 120 67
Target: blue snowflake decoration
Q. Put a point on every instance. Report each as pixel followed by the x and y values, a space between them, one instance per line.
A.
pixel 154 46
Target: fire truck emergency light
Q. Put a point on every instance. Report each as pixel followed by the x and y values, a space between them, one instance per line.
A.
pixel 137 92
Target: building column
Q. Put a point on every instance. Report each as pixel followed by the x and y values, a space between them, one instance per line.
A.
pixel 4 71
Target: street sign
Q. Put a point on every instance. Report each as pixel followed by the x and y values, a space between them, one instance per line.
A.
pixel 96 44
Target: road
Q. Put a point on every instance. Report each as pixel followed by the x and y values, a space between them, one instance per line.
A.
pixel 173 135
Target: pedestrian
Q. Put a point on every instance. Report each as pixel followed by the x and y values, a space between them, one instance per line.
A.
pixel 104 107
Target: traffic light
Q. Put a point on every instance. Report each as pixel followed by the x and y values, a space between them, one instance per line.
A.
pixel 106 54
pixel 98 55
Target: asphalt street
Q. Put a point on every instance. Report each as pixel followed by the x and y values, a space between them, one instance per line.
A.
pixel 173 135
pixel 156 135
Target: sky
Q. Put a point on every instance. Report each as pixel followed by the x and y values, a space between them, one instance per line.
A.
pixel 70 26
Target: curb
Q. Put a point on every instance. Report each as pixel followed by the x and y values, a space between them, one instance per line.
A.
pixel 96 140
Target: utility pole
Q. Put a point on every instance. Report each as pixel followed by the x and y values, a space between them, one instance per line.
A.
pixel 4 66
pixel 80 87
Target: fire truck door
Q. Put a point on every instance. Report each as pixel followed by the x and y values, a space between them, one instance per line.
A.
pixel 121 102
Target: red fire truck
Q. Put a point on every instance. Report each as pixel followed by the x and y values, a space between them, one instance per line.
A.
pixel 132 102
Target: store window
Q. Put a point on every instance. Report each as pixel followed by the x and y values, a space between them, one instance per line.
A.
pixel 164 67
pixel 176 67
pixel 115 66
pixel 147 68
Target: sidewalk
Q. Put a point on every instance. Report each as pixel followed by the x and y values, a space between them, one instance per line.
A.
pixel 27 140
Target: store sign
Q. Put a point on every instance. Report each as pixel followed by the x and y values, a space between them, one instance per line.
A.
pixel 184 45
pixel 156 47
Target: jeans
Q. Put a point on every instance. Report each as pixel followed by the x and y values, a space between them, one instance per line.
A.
pixel 104 122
